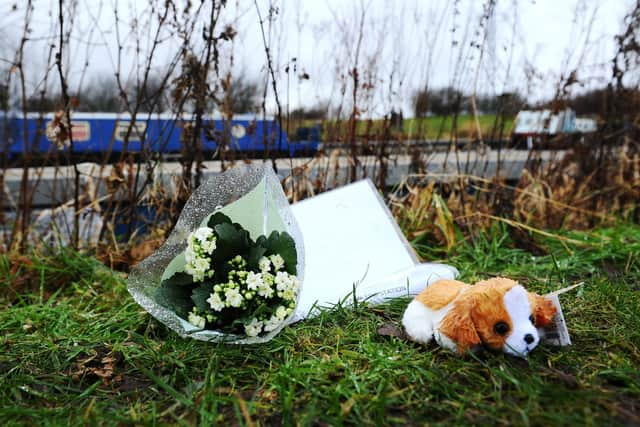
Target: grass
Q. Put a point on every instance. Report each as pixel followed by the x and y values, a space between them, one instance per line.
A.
pixel 76 349
pixel 434 128
pixel 441 127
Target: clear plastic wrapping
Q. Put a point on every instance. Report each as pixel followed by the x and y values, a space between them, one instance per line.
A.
pixel 250 195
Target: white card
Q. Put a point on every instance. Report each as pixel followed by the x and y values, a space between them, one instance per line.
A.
pixel 556 332
pixel 351 239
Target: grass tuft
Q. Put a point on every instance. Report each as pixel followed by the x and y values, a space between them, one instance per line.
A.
pixel 77 350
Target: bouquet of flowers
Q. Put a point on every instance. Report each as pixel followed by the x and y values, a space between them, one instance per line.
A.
pixel 231 270
pixel 225 281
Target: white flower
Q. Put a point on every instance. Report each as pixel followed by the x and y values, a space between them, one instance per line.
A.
pixel 294 284
pixel 198 269
pixel 277 261
pixel 233 297
pixel 201 264
pixel 254 280
pixel 215 302
pixel 281 313
pixel 289 294
pixel 253 328
pixel 208 246
pixel 203 233
pixel 198 275
pixel 287 285
pixel 264 264
pixel 283 282
pixel 199 243
pixel 196 320
pixel 189 254
pixel 272 323
pixel 265 290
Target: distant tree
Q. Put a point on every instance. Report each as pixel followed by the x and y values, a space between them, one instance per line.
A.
pixel 396 119
pixel 421 103
pixel 240 94
pixel 509 103
pixel 625 96
pixel 190 90
pixel 440 102
pixel 44 103
pixel 101 95
pixel 626 63
pixel 234 94
pixel 316 112
pixel 152 97
pixel 591 102
pixel 487 104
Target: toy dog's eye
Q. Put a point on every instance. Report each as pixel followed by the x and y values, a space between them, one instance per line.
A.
pixel 501 328
pixel 532 319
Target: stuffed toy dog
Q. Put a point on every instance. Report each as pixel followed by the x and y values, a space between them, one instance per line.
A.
pixel 498 314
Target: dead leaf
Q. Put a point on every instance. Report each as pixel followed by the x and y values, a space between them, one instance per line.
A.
pixel 106 370
pixel 391 330
pixel 102 364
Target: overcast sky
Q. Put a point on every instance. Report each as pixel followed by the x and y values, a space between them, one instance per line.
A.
pixel 404 45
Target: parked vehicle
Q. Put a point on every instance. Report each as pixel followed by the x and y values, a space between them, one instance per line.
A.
pixel 548 129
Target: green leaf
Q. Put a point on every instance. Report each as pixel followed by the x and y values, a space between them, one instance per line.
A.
pixel 200 296
pixel 218 218
pixel 180 279
pixel 256 252
pixel 238 324
pixel 176 298
pixel 265 310
pixel 174 273
pixel 232 240
pixel 283 244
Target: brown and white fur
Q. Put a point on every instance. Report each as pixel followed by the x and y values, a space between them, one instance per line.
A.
pixel 462 317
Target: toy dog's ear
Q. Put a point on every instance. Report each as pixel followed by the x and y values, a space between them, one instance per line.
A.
pixel 543 309
pixel 459 327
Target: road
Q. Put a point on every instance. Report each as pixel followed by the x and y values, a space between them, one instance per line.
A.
pixel 54 185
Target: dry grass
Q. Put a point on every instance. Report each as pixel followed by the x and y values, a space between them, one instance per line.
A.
pixel 586 188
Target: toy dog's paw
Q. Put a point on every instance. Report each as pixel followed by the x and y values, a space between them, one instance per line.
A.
pixel 417 322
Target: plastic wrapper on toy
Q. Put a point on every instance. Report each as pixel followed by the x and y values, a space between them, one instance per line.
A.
pixel 250 195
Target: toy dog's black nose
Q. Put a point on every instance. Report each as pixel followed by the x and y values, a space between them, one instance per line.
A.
pixel 529 338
